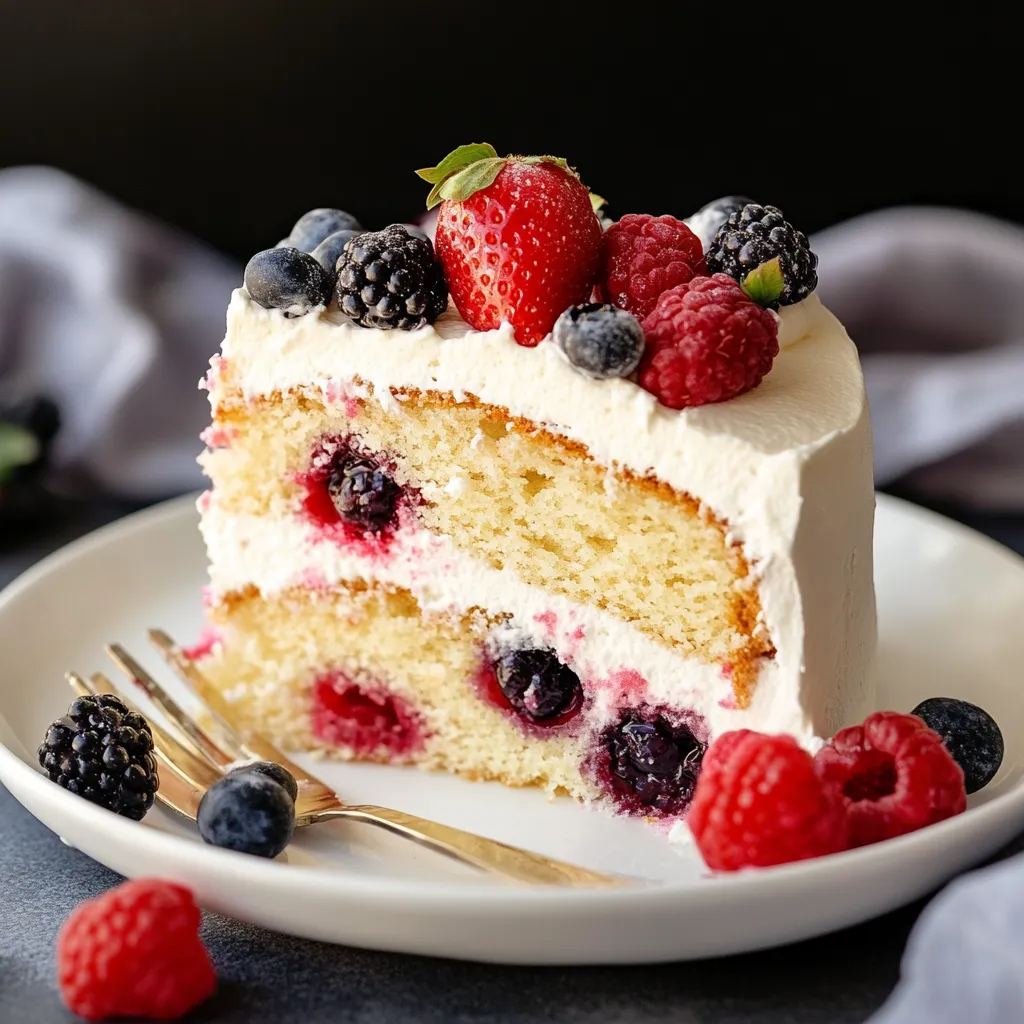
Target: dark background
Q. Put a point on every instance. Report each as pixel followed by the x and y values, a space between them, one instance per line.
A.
pixel 230 119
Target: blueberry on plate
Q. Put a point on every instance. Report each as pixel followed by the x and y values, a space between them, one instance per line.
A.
pixel 328 251
pixel 249 812
pixel 970 734
pixel 600 340
pixel 289 280
pixel 280 775
pixel 313 227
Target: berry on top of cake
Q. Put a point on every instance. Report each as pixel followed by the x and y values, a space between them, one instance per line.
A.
pixel 518 237
pixel 565 529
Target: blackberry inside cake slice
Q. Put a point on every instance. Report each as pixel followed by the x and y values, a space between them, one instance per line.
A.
pixel 444 545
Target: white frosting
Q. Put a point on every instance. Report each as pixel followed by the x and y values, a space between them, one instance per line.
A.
pixel 276 554
pixel 787 465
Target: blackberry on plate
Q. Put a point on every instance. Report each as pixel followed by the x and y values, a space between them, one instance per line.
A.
pixel 655 762
pixel 287 279
pixel 102 751
pixel 249 812
pixel 279 774
pixel 362 492
pixel 708 220
pixel 753 237
pixel 313 227
pixel 391 278
pixel 600 340
pixel 328 251
pixel 970 734
pixel 537 684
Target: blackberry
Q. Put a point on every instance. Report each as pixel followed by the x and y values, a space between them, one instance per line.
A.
pixel 757 234
pixel 287 279
pixel 391 278
pixel 537 684
pixel 362 492
pixel 313 227
pixel 970 735
pixel 102 751
pixel 708 220
pixel 248 812
pixel 657 763
pixel 600 340
pixel 280 775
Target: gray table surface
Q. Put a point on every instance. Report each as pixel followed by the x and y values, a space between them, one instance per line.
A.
pixel 265 977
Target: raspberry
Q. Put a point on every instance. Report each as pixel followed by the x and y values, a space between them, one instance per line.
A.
pixel 643 256
pixel 134 952
pixel 706 342
pixel 759 801
pixel 895 775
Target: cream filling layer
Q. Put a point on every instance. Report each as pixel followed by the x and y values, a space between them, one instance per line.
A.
pixel 616 662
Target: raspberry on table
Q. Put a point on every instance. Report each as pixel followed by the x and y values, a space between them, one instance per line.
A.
pixel 643 257
pixel 895 775
pixel 134 952
pixel 706 342
pixel 754 236
pixel 759 802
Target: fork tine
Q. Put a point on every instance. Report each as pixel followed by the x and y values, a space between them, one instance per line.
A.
pixel 215 705
pixel 221 748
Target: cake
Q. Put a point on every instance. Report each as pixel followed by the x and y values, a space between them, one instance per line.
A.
pixel 520 535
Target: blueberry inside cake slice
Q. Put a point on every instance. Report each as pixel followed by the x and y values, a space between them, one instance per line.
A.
pixel 550 500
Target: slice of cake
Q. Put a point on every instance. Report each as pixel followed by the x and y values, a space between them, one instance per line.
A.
pixel 522 537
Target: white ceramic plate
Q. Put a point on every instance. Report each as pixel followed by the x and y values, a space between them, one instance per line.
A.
pixel 951 607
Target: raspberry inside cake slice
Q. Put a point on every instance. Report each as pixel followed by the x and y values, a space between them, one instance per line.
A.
pixel 435 541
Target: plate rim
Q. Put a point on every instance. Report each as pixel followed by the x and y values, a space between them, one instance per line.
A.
pixel 470 897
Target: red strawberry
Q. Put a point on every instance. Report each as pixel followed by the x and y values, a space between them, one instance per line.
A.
pixel 518 238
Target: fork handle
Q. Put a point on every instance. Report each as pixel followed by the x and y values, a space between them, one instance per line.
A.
pixel 477 851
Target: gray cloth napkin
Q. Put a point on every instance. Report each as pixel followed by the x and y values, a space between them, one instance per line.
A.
pixel 115 316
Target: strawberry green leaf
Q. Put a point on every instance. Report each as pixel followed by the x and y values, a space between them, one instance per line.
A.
pixel 556 160
pixel 765 284
pixel 457 160
pixel 17 448
pixel 459 187
pixel 596 202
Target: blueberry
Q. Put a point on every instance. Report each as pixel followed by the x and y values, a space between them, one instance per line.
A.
pixel 313 227
pixel 710 218
pixel 970 734
pixel 600 340
pixel 280 775
pixel 362 492
pixel 328 251
pixel 249 812
pixel 536 683
pixel 287 279
pixel 659 762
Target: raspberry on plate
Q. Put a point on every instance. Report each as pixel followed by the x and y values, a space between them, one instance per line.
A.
pixel 895 775
pixel 518 238
pixel 706 342
pixel 134 952
pixel 759 802
pixel 643 256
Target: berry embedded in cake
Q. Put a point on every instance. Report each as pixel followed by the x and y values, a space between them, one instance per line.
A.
pixel 551 500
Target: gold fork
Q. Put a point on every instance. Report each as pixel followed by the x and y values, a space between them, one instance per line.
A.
pixel 193 756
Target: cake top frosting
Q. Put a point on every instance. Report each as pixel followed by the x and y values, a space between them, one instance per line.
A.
pixel 683 311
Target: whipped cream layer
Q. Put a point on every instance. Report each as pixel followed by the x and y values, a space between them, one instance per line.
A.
pixel 610 656
pixel 787 465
